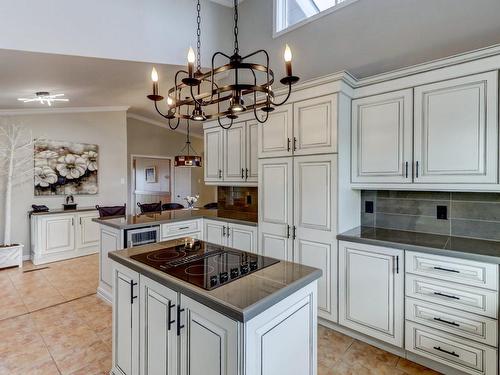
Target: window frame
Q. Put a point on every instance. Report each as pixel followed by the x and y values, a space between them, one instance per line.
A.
pixel 279 10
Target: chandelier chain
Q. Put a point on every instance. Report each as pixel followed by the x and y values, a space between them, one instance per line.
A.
pixel 198 35
pixel 236 45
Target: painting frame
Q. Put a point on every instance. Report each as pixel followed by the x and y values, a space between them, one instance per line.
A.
pixel 150 174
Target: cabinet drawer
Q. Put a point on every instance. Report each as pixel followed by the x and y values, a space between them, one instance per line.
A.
pixel 475 300
pixel 457 270
pixel 461 323
pixel 180 228
pixel 464 355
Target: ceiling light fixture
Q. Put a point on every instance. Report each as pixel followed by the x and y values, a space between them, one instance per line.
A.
pixel 249 80
pixel 44 97
pixel 185 158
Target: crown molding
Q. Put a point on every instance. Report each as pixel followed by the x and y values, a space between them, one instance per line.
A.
pixel 50 111
pixel 160 124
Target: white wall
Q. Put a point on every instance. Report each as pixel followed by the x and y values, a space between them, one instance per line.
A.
pixel 106 129
pixel 373 36
pixel 158 31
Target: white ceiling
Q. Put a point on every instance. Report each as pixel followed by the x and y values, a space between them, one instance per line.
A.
pixel 87 82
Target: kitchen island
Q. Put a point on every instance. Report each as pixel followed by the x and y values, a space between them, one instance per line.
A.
pixel 258 317
pixel 237 229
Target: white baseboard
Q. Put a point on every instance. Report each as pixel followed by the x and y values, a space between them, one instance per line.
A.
pixel 104 295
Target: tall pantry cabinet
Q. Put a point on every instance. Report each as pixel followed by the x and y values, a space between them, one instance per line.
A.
pixel 299 188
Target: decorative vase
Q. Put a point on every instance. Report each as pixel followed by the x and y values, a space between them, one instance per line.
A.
pixel 190 205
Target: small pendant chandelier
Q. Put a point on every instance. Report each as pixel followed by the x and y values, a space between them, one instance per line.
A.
pixel 188 157
pixel 210 100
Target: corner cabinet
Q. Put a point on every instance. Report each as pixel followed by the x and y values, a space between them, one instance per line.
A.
pixel 441 135
pixel 231 154
pixel 63 235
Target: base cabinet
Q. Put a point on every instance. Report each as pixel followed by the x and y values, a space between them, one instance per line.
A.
pixel 157 331
pixel 237 236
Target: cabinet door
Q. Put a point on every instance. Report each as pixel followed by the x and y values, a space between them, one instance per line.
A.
pixel 242 237
pixel 209 341
pixel 276 134
pixel 456 135
pixel 315 126
pixel 158 336
pixel 125 320
pixel 213 154
pixel 234 153
pixel 58 234
pixel 252 172
pixel 215 232
pixel 315 210
pixel 371 292
pixel 87 231
pixel 276 207
pixel 382 138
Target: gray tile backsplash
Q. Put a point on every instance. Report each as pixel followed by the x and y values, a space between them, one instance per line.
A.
pixel 474 215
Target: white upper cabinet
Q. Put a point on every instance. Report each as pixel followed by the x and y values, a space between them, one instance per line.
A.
pixel 315 126
pixel 213 154
pixel 234 153
pixel 276 134
pixel 456 130
pixel 252 150
pixel 382 138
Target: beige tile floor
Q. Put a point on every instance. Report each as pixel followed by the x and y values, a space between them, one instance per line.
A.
pixel 52 323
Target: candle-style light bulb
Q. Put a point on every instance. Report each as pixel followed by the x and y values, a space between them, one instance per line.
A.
pixel 288 60
pixel 191 59
pixel 154 75
pixel 170 101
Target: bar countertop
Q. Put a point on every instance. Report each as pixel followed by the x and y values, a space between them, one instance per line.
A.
pixel 462 247
pixel 241 299
pixel 155 218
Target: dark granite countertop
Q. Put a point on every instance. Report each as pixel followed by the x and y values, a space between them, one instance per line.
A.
pixel 462 247
pixel 154 218
pixel 61 211
pixel 241 299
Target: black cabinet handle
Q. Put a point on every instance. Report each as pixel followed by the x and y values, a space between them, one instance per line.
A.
pixel 294 232
pixel 416 169
pixel 446 269
pixel 132 297
pixel 406 169
pixel 224 231
pixel 446 295
pixel 182 228
pixel 288 147
pixel 294 143
pixel 242 173
pixel 288 231
pixel 179 325
pixel 246 174
pixel 228 231
pixel 170 321
pixel 220 173
pixel 446 351
pixel 397 263
pixel 447 322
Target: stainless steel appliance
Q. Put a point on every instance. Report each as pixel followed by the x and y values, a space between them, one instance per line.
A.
pixel 142 236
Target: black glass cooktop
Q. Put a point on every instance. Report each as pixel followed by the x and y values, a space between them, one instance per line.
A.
pixel 204 264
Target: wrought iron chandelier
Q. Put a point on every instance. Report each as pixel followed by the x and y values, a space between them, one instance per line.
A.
pixel 252 83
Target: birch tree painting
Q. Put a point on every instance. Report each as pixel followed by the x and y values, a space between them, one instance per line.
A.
pixel 16 166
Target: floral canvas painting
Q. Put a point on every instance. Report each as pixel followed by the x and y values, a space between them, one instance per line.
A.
pixel 64 168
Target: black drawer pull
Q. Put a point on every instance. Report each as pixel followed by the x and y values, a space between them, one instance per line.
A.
pixel 179 325
pixel 447 322
pixel 170 321
pixel 446 269
pixel 446 351
pixel 446 295
pixel 182 228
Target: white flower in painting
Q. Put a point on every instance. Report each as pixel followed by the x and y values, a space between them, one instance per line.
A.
pixel 45 176
pixel 46 157
pixel 91 158
pixel 71 166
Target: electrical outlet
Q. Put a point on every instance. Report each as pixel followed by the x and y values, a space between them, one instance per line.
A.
pixel 369 207
pixel 442 212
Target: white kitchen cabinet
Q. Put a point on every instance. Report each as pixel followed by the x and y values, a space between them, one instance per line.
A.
pixel 456 130
pixel 237 236
pixel 126 329
pixel 234 153
pixel 158 334
pixel 382 138
pixel 276 208
pixel 62 235
pixel 371 291
pixel 252 151
pixel 315 224
pixel 276 134
pixel 87 231
pixel 315 126
pixel 208 341
pixel 213 147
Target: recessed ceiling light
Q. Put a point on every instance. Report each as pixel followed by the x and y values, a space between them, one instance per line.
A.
pixel 44 97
